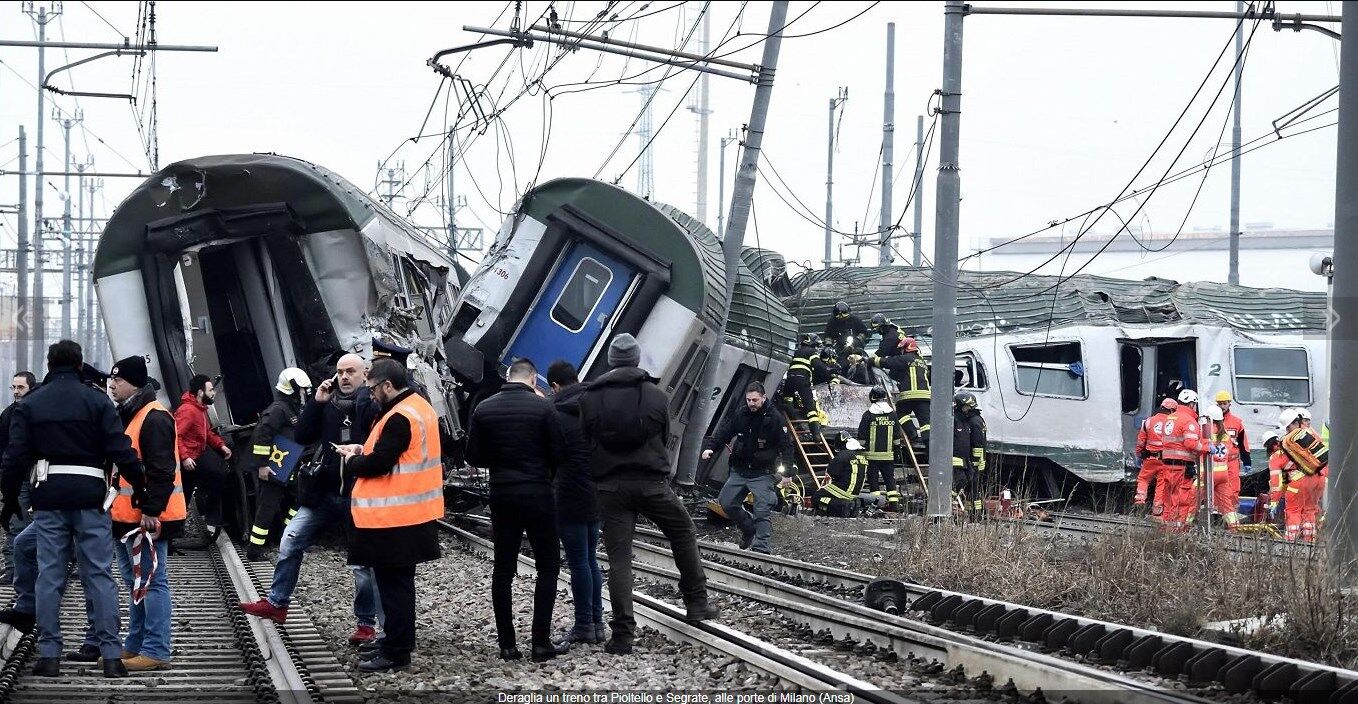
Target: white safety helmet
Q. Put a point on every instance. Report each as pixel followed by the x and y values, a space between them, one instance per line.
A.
pixel 292 380
pixel 1305 414
pixel 1288 417
pixel 1214 413
pixel 1188 396
pixel 1271 434
pixel 853 445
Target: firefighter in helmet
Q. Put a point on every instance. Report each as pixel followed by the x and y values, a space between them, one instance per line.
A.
pixel 844 329
pixel 968 451
pixel 796 395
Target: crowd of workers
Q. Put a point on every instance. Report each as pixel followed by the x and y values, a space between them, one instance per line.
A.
pixel 1195 458
pixel 95 469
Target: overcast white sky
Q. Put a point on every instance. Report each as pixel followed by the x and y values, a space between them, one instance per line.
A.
pixel 1058 113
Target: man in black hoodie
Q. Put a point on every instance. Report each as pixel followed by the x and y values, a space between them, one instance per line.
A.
pixel 625 420
pixel 341 413
pixel 577 509
pixel 761 444
pixel 515 434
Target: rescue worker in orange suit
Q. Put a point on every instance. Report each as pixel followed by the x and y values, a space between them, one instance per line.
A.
pixel 1181 450
pixel 911 374
pixel 397 497
pixel 879 432
pixel 968 450
pixel 1223 469
pixel 839 497
pixel 1150 442
pixel 1277 470
pixel 157 507
pixel 1304 474
pixel 1235 427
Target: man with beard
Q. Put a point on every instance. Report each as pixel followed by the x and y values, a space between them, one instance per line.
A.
pixel 202 467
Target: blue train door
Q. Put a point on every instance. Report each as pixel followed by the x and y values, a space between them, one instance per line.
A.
pixel 576 306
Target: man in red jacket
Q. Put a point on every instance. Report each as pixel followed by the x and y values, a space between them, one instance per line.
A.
pixel 203 471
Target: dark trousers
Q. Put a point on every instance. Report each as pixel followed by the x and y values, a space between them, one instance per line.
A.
pixel 396 590
pixel 620 502
pixel 919 408
pixel 269 500
pixel 511 516
pixel 203 486
pixel 881 472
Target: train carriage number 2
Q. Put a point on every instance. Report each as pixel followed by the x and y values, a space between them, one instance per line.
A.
pixel 1214 370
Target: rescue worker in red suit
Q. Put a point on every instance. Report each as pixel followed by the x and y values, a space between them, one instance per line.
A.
pixel 1150 442
pixel 1304 476
pixel 1223 465
pixel 1181 450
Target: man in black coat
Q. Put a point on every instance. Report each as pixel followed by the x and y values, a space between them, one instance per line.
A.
pixel 21 385
pixel 625 420
pixel 72 432
pixel 341 413
pixel 515 435
pixel 577 508
pixel 761 444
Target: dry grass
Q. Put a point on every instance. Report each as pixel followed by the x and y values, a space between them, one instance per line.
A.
pixel 1171 583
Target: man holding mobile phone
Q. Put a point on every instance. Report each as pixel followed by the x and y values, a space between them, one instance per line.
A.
pixel 340 413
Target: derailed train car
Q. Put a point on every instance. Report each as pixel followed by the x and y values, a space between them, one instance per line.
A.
pixel 243 265
pixel 1065 375
pixel 579 261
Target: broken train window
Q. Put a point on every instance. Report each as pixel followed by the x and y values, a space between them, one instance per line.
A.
pixel 1272 375
pixel 1051 369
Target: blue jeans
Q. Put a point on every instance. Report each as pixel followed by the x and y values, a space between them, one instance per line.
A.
pixel 581 542
pixel 16 526
pixel 300 535
pixel 26 578
pixel 90 534
pixel 732 500
pixel 148 623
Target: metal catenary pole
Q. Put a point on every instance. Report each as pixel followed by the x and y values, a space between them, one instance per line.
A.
pixel 83 267
pixel 1343 483
pixel 703 110
pixel 22 315
pixel 1233 270
pixel 39 264
pixel 67 250
pixel 734 237
pixel 721 185
pixel 835 102
pixel 888 148
pixel 919 191
pixel 944 341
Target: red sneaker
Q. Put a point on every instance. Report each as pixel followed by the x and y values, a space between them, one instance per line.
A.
pixel 264 609
pixel 362 634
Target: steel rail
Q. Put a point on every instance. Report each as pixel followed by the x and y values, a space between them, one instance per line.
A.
pixel 766 657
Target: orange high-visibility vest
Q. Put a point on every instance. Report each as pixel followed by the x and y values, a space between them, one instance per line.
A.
pixel 122 509
pixel 413 492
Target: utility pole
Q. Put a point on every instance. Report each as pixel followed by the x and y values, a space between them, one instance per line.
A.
pixel 646 165
pixel 944 340
pixel 721 184
pixel 41 18
pixel 733 239
pixel 83 280
pixel 66 125
pixel 703 108
pixel 22 319
pixel 1343 489
pixel 452 195
pixel 884 257
pixel 1233 272
pixel 835 102
pixel 919 189
pixel 96 320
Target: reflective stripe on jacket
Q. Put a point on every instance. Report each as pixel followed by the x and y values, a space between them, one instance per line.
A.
pixel 122 510
pixel 412 493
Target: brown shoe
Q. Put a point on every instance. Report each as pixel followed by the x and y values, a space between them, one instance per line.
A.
pixel 128 655
pixel 141 663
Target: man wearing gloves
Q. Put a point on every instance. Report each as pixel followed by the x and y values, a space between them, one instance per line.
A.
pixel 277 426
pixel 759 443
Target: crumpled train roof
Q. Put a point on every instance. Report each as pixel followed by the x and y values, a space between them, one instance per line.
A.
pixel 1001 302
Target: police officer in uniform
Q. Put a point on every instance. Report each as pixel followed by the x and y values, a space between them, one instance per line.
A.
pixel 968 451
pixel 73 435
pixel 877 431
pixel 279 419
pixel 844 329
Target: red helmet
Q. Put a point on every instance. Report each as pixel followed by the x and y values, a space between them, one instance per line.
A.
pixel 908 344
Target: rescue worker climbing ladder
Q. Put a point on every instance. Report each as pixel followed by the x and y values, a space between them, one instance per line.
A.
pixel 796 393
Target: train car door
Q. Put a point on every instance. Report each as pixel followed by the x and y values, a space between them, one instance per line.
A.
pixel 574 309
pixel 1151 370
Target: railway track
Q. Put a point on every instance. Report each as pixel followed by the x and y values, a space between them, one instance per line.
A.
pixel 1202 665
pixel 831 618
pixel 220 655
pixel 1095 525
pixel 790 668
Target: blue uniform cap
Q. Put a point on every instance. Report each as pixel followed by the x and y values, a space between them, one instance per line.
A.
pixel 382 348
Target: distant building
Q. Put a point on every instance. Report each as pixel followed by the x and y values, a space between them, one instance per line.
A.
pixel 1268 257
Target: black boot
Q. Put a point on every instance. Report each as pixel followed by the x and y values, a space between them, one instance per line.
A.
pixel 21 621
pixel 510 653
pixel 618 646
pixel 86 653
pixel 47 667
pixel 701 611
pixel 545 652
pixel 114 668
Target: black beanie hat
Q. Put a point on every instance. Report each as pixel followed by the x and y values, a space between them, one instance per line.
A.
pixel 132 370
